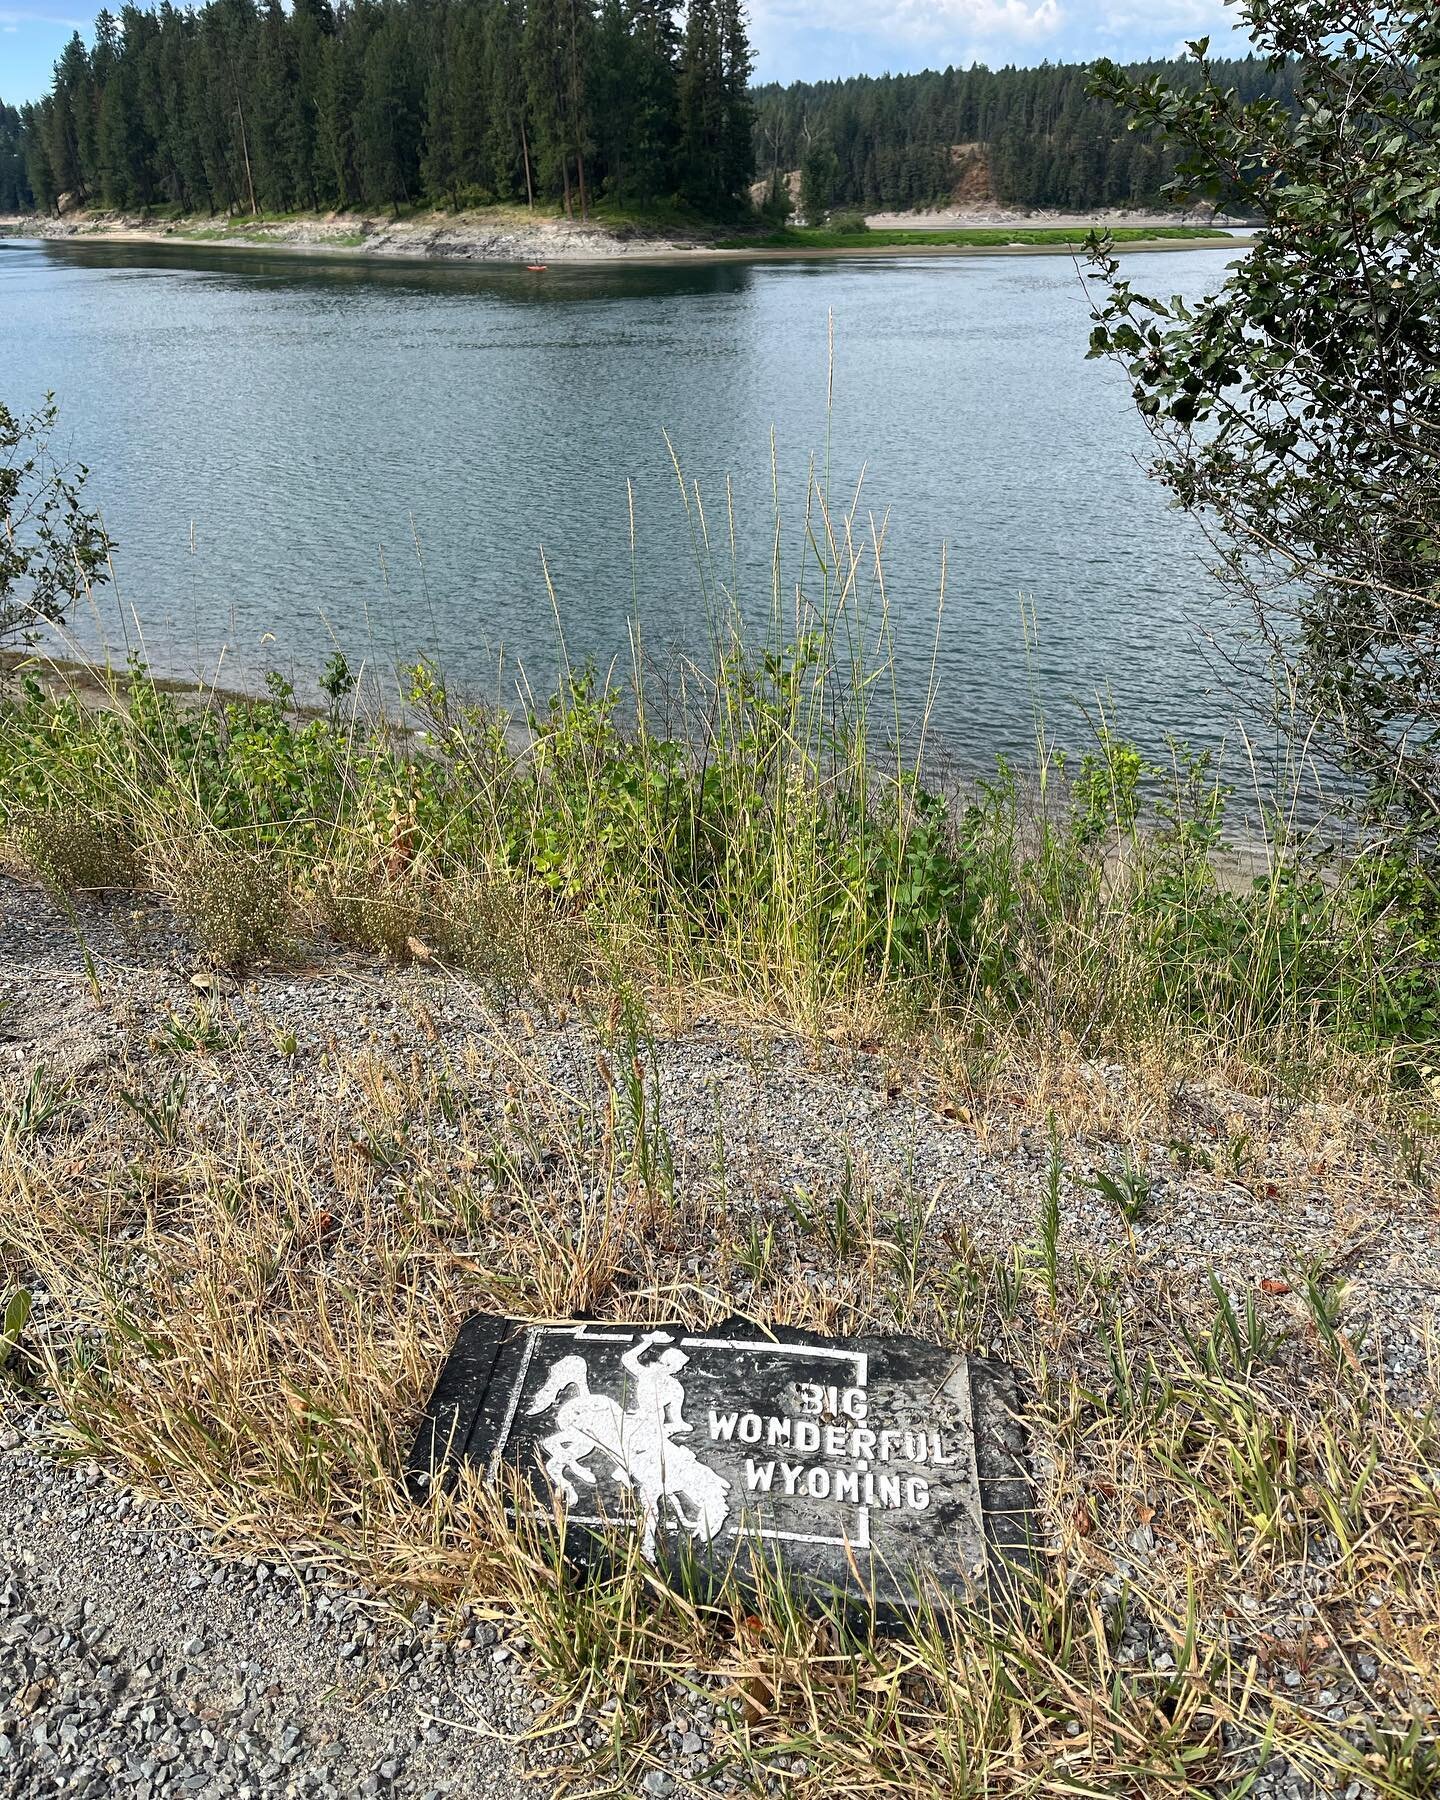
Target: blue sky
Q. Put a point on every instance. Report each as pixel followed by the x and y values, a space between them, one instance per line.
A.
pixel 804 38
pixel 815 39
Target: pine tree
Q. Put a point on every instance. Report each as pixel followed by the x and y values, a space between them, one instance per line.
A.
pixel 737 149
pixel 336 159
pixel 16 193
pixel 387 120
pixel 578 31
pixel 465 105
pixel 438 167
pixel 66 118
pixel 39 170
pixel 702 106
pixel 819 180
pixel 123 145
pixel 654 40
pixel 270 80
pixel 509 156
pixel 543 60
pixel 239 103
pixel 613 95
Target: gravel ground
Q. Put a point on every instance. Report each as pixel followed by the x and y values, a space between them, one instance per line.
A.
pixel 1249 1191
pixel 1239 1186
pixel 134 1661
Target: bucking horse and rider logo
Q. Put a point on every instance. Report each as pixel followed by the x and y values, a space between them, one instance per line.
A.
pixel 638 1443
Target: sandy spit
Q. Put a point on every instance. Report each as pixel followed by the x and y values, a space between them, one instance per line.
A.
pixel 510 235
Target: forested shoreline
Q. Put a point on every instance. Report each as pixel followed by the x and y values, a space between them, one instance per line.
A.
pixel 1028 137
pixel 236 107
pixel 240 107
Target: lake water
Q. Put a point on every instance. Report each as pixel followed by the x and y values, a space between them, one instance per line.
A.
pixel 298 453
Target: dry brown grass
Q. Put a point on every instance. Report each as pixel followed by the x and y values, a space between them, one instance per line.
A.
pixel 248 1322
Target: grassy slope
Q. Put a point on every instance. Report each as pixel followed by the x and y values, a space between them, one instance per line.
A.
pixel 246 1300
pixel 248 1297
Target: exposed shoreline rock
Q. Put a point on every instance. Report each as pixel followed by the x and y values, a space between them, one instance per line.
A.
pixel 510 235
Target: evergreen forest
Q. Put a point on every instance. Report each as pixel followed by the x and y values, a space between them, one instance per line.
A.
pixel 243 107
pixel 1038 135
pixel 252 106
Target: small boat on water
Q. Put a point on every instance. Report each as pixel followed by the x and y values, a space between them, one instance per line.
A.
pixel 537 268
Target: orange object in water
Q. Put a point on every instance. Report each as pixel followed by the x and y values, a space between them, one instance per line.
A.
pixel 537 268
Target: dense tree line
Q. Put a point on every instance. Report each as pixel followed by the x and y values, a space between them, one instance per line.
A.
pixel 250 105
pixel 899 140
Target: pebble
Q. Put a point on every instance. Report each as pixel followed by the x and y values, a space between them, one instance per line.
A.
pixel 156 1672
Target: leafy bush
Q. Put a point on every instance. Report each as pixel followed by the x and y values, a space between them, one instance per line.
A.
pixel 52 546
pixel 1298 409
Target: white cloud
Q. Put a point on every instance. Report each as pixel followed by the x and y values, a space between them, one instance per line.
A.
pixel 818 39
pixel 918 21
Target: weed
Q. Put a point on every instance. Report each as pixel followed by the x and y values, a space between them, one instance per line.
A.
pixel 756 1250
pixel 773 840
pixel 842 1221
pixel 384 921
pixel 1128 1190
pixel 162 1115
pixel 800 1205
pixel 78 851
pixel 1238 1146
pixel 1010 1284
pixel 1189 1155
pixel 1137 1392
pixel 1405 1761
pixel 1050 1221
pixel 968 1281
pixel 636 1098
pixel 1239 1341
pixel 904 1253
pixel 202 1034
pixel 1325 1302
pixel 387 1150
pixel 44 1100
pixel 719 1158
pixel 234 902
pixel 13 1320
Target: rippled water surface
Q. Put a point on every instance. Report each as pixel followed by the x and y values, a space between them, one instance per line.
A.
pixel 294 453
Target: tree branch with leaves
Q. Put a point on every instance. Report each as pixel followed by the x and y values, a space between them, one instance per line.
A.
pixel 53 547
pixel 1297 411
